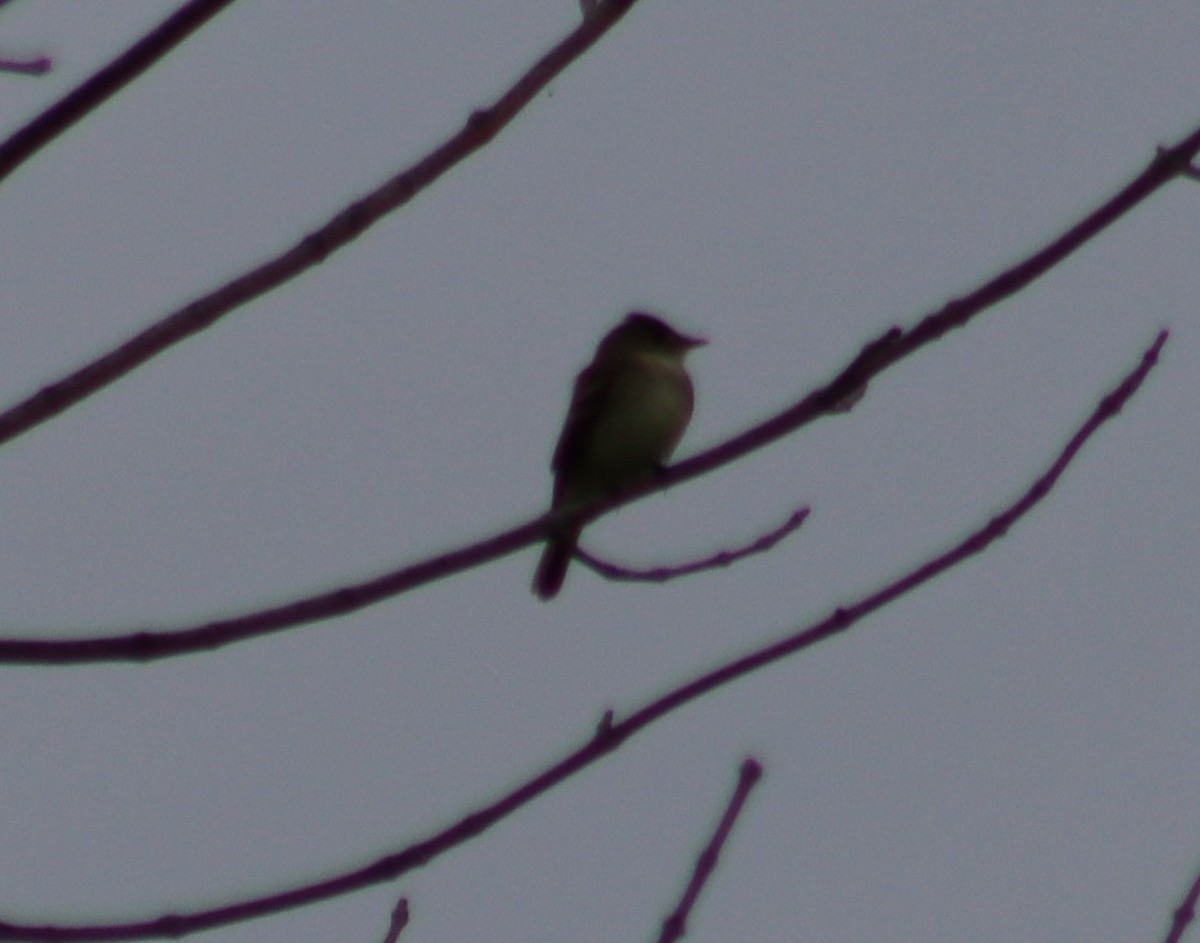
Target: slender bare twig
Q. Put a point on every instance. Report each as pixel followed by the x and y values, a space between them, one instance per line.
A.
pixel 1184 914
pixel 343 228
pixel 38 65
pixel 398 922
pixel 110 79
pixel 609 735
pixel 675 926
pixel 723 558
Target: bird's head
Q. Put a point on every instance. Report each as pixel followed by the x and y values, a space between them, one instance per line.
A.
pixel 647 332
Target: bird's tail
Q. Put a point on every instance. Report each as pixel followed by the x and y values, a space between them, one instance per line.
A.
pixel 552 568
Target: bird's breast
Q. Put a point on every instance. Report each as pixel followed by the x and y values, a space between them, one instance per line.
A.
pixel 643 419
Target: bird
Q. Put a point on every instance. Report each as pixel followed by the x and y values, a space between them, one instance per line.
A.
pixel 629 409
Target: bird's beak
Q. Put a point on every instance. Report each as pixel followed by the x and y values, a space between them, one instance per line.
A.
pixel 690 342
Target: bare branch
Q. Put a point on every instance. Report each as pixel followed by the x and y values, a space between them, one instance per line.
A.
pixel 723 558
pixel 675 926
pixel 608 735
pixel 1184 914
pixel 1168 163
pixel 154 644
pixel 338 232
pixel 98 88
pixel 480 128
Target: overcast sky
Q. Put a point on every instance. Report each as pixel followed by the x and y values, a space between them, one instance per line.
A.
pixel 1013 753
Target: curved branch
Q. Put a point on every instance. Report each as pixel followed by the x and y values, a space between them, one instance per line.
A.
pixel 154 644
pixel 723 558
pixel 98 88
pixel 338 232
pixel 609 735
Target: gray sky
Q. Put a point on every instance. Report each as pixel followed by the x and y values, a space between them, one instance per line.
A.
pixel 1010 754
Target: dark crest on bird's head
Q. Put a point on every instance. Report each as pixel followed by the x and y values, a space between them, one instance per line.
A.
pixel 641 327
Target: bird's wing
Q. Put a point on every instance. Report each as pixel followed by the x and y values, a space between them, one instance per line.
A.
pixel 587 404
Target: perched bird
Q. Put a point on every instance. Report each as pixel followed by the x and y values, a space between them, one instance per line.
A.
pixel 628 411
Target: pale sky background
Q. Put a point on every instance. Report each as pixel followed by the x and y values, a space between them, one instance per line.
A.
pixel 1012 754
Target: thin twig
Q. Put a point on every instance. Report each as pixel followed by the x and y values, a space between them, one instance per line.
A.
pixel 675 926
pixel 723 558
pixel 1184 914
pixel 398 922
pixel 39 65
pixel 608 735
